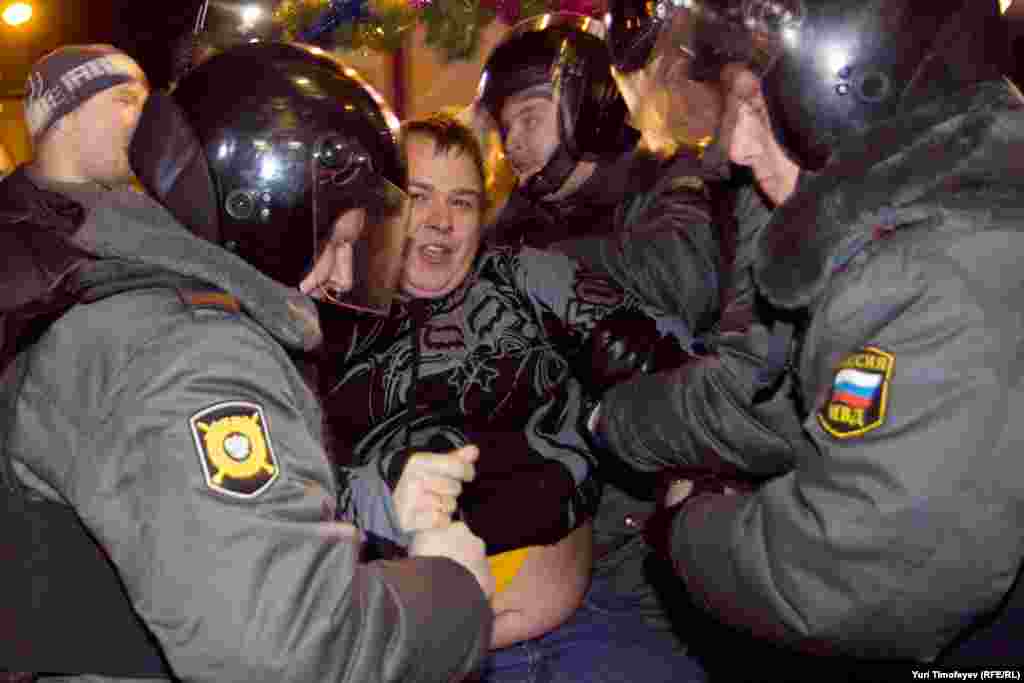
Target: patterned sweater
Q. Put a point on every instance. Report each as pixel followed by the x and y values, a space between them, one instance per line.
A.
pixel 487 364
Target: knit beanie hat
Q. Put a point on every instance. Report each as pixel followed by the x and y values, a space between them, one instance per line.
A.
pixel 65 78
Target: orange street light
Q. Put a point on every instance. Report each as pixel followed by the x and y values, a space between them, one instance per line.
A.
pixel 17 13
pixel 251 14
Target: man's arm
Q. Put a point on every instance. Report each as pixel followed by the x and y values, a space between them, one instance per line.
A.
pixel 704 413
pixel 669 250
pixel 567 290
pixel 546 590
pixel 904 526
pixel 255 583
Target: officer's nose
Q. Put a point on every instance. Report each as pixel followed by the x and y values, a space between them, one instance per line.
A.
pixel 513 140
pixel 742 136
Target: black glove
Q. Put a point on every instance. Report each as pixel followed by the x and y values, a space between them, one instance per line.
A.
pixel 625 343
pixel 705 480
pixel 622 345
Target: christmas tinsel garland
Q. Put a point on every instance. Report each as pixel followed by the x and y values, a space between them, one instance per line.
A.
pixel 452 26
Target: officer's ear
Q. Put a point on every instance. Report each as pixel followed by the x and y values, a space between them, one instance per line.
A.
pixel 168 159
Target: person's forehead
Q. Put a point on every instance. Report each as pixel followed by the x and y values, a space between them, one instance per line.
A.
pixel 537 96
pixel 106 98
pixel 459 171
pixel 126 65
pixel 130 86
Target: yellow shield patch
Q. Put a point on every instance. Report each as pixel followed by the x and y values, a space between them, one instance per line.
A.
pixel 859 394
pixel 234 448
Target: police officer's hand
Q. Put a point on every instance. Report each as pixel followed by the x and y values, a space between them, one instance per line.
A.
pixel 458 543
pixel 622 345
pixel 681 489
pixel 426 493
pixel 678 484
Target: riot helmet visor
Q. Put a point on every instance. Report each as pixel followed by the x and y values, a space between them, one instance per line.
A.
pixel 297 155
pixel 364 218
pixel 694 38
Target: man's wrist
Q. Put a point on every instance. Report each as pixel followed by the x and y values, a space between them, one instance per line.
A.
pixel 592 421
pixel 377 547
pixel 594 427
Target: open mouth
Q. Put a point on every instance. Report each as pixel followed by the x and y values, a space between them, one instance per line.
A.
pixel 435 253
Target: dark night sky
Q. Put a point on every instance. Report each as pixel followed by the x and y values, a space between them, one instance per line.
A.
pixel 152 34
pixel 149 30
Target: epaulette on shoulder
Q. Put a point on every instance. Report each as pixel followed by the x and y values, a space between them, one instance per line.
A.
pixel 689 182
pixel 210 298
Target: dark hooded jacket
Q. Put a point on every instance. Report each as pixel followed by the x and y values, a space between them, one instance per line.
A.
pixel 47 562
pixel 889 411
pixel 35 229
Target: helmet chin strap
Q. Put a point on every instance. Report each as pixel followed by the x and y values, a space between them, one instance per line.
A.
pixel 550 179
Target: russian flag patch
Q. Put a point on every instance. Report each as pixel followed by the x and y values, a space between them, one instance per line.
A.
pixel 859 394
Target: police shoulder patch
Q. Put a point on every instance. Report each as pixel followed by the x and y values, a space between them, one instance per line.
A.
pixel 233 442
pixel 859 394
pixel 689 182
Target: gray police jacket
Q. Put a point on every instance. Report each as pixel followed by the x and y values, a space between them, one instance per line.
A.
pixel 897 516
pixel 190 446
pixel 647 222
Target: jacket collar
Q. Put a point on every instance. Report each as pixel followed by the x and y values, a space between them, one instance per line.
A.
pixel 136 235
pixel 22 201
pixel 912 170
pixel 605 187
pixel 613 182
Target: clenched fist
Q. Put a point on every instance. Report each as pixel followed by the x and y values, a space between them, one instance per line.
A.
pixel 456 542
pixel 621 346
pixel 426 493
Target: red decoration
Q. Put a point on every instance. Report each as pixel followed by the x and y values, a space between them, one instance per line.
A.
pixel 589 7
pixel 506 10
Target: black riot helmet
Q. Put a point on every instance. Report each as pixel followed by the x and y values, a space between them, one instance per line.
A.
pixel 567 52
pixel 669 100
pixel 829 68
pixel 633 28
pixel 263 147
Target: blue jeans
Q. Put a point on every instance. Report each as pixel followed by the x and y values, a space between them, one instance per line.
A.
pixel 605 641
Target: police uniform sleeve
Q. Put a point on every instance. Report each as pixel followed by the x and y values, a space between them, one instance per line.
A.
pixel 211 491
pixel 578 296
pixel 704 413
pixel 904 526
pixel 368 500
pixel 667 252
